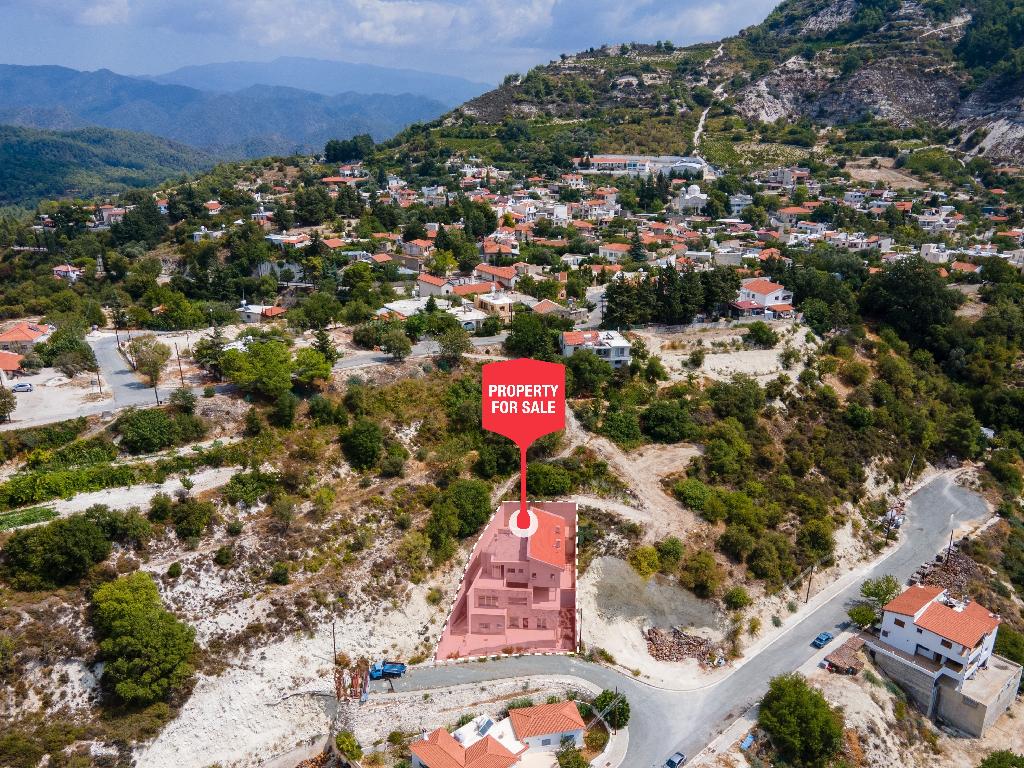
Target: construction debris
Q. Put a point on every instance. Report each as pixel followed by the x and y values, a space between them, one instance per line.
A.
pixel 676 645
pixel 954 574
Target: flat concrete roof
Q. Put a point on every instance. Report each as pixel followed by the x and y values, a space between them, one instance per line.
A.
pixel 988 683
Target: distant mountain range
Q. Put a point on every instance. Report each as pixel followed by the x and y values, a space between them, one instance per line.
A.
pixel 257 120
pixel 326 77
pixel 36 164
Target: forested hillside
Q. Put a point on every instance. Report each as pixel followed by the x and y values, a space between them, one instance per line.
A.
pixel 37 164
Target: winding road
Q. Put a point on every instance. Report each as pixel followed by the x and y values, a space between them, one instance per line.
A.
pixel 663 721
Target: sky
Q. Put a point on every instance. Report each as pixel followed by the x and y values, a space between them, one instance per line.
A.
pixel 482 40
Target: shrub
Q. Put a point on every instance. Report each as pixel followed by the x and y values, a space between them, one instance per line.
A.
pixel 803 728
pixel 615 707
pixel 174 570
pixel 145 649
pixel 596 739
pixel 736 599
pixel 249 487
pixel 854 373
pixel 160 507
pixel 209 391
pixel 183 401
pixel 363 443
pixel 58 553
pixel 283 412
pixel 153 429
pixel 234 527
pixel 760 334
pixel 279 574
pixel 644 561
pixel 191 517
pixel 701 574
pixel 224 556
pixel 547 480
pixel 693 493
pixel 348 746
pixel 670 553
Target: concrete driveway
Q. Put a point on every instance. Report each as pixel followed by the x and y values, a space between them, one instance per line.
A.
pixel 664 721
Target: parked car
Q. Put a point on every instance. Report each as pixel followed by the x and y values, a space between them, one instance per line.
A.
pixel 23 387
pixel 676 760
pixel 822 640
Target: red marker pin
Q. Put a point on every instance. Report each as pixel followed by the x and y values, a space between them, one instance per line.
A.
pixel 523 400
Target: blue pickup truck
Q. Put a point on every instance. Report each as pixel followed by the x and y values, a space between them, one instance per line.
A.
pixel 385 670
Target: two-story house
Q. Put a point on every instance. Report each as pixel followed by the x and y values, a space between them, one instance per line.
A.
pixel 941 651
pixel 757 296
pixel 610 346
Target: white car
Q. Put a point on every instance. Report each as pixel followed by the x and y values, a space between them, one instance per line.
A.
pixel 23 387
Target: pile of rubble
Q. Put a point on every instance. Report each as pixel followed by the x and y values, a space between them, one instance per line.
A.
pixel 676 645
pixel 953 573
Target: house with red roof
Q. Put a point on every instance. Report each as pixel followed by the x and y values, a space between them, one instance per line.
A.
pixel 758 295
pixel 506 277
pixel 941 651
pixel 611 346
pixel 484 743
pixel 22 336
pixel 213 207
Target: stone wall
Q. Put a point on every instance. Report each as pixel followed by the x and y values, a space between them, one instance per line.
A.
pixel 410 712
pixel 918 684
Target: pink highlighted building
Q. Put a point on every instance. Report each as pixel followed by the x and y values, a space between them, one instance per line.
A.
pixel 518 595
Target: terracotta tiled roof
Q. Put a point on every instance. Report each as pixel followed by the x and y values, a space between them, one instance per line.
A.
pixel 24 332
pixel 273 311
pixel 965 627
pixel 441 750
pixel 507 273
pixel 431 279
pixel 762 287
pixel 470 289
pixel 913 600
pixel 575 338
pixel 964 266
pixel 334 242
pixel 10 362
pixel 545 719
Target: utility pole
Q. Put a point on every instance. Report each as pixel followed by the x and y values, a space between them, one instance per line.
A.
pixel 156 392
pixel 810 576
pixel 181 373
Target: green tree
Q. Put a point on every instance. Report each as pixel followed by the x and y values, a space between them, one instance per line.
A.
pixel 701 574
pixel 875 594
pixel 264 368
pixel 8 402
pixel 1002 759
pixel 588 373
pixel 453 343
pixel 150 356
pixel 395 343
pixel 311 367
pixel 910 296
pixel 363 443
pixel 645 561
pixel 805 731
pixel 615 707
pixel 348 746
pixel 58 553
pixel 146 651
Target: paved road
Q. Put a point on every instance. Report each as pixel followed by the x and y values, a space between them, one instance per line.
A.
pixel 664 721
pixel 426 348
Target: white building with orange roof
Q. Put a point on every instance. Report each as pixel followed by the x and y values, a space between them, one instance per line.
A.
pixel 22 336
pixel 941 651
pixel 610 346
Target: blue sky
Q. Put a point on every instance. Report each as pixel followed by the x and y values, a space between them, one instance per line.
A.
pixel 478 39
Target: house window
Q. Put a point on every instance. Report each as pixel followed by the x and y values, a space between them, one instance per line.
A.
pixel 542 623
pixel 900 623
pixel 920 631
pixel 946 644
pixel 485 625
pixel 513 622
pixel 545 742
pixel 885 633
pixel 487 601
pixel 526 623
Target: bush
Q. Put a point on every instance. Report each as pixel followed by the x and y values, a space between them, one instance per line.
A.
pixel 249 487
pixel 363 443
pixel 693 493
pixel 596 739
pixel 701 574
pixel 736 599
pixel 160 507
pixel 670 553
pixel 191 517
pixel 174 570
pixel 153 429
pixel 617 714
pixel 145 649
pixel 209 391
pixel 348 746
pixel 183 401
pixel 55 554
pixel 283 412
pixel 668 421
pixel 644 561
pixel 224 556
pixel 547 480
pixel 760 334
pixel 804 729
pixel 234 527
pixel 854 373
pixel 279 574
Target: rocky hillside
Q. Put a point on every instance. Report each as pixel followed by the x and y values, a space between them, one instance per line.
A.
pixel 954 65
